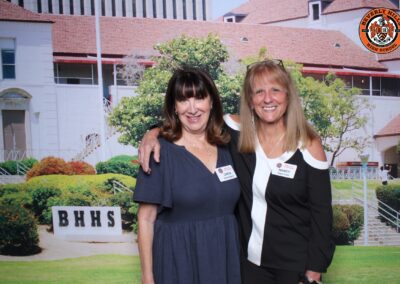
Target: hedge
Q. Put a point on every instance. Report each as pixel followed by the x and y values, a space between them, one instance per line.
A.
pixel 390 195
pixel 40 193
pixel 18 231
pixel 11 166
pixel 118 167
pixel 347 223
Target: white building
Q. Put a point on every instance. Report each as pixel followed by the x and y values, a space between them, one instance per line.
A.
pixel 163 9
pixel 382 88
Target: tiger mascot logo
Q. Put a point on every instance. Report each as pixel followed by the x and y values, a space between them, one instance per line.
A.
pixel 379 30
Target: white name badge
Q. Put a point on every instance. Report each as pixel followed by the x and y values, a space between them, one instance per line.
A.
pixel 225 173
pixel 284 170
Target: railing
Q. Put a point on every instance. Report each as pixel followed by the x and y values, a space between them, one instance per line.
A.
pixel 353 173
pixel 93 140
pixel 117 186
pixel 389 214
pixel 22 169
pixel 4 172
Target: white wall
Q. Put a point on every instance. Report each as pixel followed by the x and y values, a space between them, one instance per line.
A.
pixel 385 109
pixel 34 75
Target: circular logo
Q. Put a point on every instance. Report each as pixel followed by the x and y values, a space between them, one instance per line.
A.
pixel 379 30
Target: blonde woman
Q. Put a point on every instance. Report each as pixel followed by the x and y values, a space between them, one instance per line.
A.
pixel 284 213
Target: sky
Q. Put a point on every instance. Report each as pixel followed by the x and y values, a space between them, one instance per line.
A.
pixel 220 7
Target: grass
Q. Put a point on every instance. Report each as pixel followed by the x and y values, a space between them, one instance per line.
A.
pixel 364 265
pixel 342 189
pixel 94 269
pixel 350 265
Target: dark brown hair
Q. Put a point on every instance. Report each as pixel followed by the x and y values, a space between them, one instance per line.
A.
pixel 186 83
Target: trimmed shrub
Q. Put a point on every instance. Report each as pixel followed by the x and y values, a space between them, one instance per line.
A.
pixel 12 168
pixel 76 199
pixel 118 167
pixel 81 168
pixel 390 195
pixel 123 158
pixel 40 197
pixel 347 223
pixel 49 166
pixel 125 201
pixel 20 198
pixel 18 231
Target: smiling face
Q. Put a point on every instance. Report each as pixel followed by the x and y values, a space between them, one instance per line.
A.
pixel 269 101
pixel 193 113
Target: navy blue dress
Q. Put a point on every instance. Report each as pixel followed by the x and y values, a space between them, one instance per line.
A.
pixel 195 233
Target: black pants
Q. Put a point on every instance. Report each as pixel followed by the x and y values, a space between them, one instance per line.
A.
pixel 253 274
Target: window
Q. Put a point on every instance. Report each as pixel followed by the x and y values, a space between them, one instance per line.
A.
pixel 82 3
pixel 154 9
pixel 8 63
pixel 113 12
pixel 184 9
pixel 39 4
pixel 164 9
pixel 71 7
pixel 204 11
pixel 103 8
pixel 50 5
pixel 174 8
pixel 315 12
pixel 92 7
pixel 361 82
pixel 194 9
pixel 376 86
pixel 144 9
pixel 134 8
pixel 123 8
pixel 390 87
pixel 230 19
pixel 60 6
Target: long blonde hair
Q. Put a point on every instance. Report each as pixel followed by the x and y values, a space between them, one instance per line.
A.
pixel 298 130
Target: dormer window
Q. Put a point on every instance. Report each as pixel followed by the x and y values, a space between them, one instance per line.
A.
pixel 315 11
pixel 230 19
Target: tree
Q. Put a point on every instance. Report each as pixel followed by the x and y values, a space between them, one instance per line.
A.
pixel 134 115
pixel 336 112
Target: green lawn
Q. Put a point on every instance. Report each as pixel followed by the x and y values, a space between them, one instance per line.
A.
pixel 350 265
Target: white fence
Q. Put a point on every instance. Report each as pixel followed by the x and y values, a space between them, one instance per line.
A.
pixel 353 173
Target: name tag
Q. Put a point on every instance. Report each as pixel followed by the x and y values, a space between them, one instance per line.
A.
pixel 225 173
pixel 284 170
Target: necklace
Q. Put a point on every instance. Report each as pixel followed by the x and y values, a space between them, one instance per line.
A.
pixel 274 145
pixel 208 149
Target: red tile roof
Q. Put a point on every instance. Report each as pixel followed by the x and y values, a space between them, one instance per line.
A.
pixel 346 5
pixel 390 129
pixel 12 12
pixel 268 11
pixel 122 36
pixel 390 56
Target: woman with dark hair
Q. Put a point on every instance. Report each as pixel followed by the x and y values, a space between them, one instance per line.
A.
pixel 187 229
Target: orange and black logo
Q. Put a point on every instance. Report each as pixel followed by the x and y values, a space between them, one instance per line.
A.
pixel 379 30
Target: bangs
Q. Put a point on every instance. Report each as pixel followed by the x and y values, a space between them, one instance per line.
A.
pixel 270 75
pixel 190 86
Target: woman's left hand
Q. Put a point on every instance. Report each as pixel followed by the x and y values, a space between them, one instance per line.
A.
pixel 313 276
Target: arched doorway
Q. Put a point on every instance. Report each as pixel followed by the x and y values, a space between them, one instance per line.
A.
pixel 14 123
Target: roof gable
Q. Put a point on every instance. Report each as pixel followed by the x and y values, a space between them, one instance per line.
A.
pixel 390 129
pixel 346 5
pixel 12 12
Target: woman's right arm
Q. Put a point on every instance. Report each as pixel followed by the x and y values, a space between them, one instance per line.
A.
pixel 149 144
pixel 147 214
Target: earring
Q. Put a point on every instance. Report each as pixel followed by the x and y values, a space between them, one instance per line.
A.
pixel 252 117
